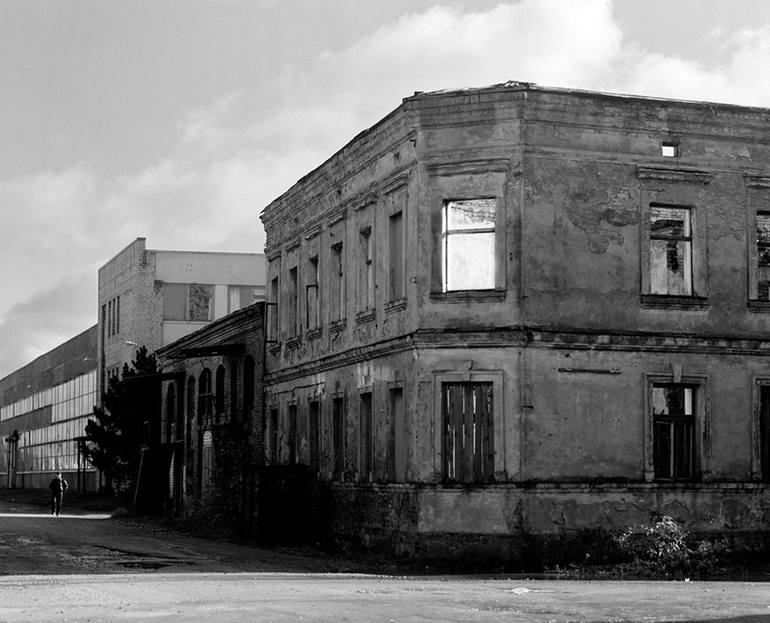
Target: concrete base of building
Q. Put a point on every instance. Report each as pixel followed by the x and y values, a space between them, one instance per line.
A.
pixel 513 526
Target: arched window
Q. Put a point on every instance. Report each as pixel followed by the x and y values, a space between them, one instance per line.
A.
pixel 190 406
pixel 170 412
pixel 219 410
pixel 204 398
pixel 234 390
pixel 248 385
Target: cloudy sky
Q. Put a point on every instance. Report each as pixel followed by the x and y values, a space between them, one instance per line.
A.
pixel 178 120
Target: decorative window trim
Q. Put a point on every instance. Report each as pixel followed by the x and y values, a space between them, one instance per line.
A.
pixel 365 316
pixel 313 334
pixel 340 215
pixel 338 325
pixel 702 435
pixel 294 342
pixel 395 306
pixel 469 296
pixel 469 167
pixel 673 174
pixel 672 301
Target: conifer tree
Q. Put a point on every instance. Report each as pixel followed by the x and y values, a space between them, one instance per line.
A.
pixel 116 433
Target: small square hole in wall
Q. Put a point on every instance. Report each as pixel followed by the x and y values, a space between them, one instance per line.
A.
pixel 669 150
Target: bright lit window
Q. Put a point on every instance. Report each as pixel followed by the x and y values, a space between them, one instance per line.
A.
pixel 468 242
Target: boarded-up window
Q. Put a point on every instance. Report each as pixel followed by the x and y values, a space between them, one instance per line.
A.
pixel 468 432
pixel 338 436
pixel 273 318
pixel 311 293
pixel 670 251
pixel 763 256
pixel 291 302
pixel 468 237
pixel 314 436
pixel 365 270
pixel 673 415
pixel 396 264
pixel 366 435
pixel 174 301
pixel 337 279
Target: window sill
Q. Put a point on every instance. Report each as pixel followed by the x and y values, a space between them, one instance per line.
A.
pixel 274 349
pixel 363 317
pixel 466 296
pixel 313 334
pixel 294 342
pixel 667 301
pixel 395 306
pixel 338 325
pixel 759 306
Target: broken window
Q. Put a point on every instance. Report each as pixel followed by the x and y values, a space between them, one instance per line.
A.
pixel 311 293
pixel 397 260
pixel 468 241
pixel 468 432
pixel 187 302
pixel 763 256
pixel 673 415
pixel 670 251
pixel 337 293
pixel 366 270
pixel 292 303
pixel 367 435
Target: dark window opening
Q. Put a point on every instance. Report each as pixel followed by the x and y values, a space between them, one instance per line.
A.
pixel 673 414
pixel 764 431
pixel 367 436
pixel 274 437
pixel 219 392
pixel 314 436
pixel 338 437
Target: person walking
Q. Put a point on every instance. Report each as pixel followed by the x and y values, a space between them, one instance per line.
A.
pixel 58 486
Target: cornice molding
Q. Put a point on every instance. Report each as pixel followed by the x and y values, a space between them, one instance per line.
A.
pixel 673 174
pixel 467 167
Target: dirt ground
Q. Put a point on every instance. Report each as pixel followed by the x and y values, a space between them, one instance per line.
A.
pixel 86 565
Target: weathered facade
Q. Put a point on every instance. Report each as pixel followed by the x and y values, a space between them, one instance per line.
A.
pixel 518 311
pixel 44 408
pixel 212 418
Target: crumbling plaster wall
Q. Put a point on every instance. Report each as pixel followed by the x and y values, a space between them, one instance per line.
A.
pixel 590 170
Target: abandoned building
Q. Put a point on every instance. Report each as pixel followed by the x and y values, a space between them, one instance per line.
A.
pixel 519 311
pixel 152 297
pixel 44 408
pixel 211 419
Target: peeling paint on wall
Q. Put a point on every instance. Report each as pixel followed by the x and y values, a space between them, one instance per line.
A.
pixel 587 206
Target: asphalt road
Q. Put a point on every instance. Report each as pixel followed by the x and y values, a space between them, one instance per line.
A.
pixel 92 568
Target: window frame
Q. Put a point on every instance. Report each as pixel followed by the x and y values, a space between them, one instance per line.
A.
pixel 687 239
pixel 187 301
pixel 446 233
pixel 701 423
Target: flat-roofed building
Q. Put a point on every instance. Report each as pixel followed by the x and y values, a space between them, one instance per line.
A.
pixel 44 408
pixel 515 312
pixel 151 297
